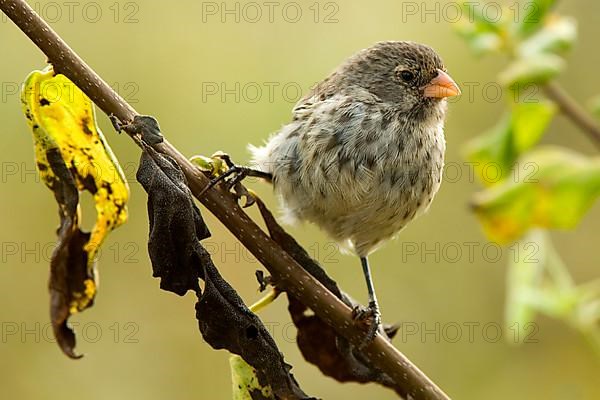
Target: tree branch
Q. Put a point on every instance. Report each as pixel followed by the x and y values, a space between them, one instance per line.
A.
pixel 289 274
pixel 573 111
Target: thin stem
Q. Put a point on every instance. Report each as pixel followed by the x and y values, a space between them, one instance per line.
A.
pixel 568 106
pixel 573 111
pixel 264 301
pixel 288 273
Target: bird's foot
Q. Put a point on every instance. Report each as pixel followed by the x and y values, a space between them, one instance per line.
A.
pixel 371 317
pixel 220 167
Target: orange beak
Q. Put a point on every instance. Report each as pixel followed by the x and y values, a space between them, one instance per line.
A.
pixel 441 86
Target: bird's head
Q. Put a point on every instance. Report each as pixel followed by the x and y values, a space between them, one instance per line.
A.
pixel 408 75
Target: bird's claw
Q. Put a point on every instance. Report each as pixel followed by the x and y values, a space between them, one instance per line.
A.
pixel 224 168
pixel 371 317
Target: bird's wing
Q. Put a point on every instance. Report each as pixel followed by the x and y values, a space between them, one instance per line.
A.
pixel 320 99
pixel 337 140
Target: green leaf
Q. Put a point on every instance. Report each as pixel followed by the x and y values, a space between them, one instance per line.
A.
pixel 524 277
pixel 589 312
pixel 556 36
pixel 473 11
pixel 539 282
pixel 552 188
pixel 494 153
pixel 482 34
pixel 245 381
pixel 529 122
pixel 480 42
pixel 537 68
pixel 594 105
pixel 531 14
pixel 491 153
pixel 485 43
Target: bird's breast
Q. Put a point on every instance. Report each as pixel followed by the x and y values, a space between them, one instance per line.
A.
pixel 362 182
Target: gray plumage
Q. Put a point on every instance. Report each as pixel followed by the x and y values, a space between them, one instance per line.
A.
pixel 364 153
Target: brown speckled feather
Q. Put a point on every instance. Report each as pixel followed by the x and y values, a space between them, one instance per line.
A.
pixel 364 153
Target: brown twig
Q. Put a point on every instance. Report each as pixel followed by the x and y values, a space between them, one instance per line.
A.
pixel 288 273
pixel 573 111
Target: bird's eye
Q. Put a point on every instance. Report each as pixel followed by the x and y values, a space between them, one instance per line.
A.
pixel 407 76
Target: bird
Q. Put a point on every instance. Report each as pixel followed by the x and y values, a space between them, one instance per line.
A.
pixel 364 153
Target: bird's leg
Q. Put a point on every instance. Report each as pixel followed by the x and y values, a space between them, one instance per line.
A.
pixel 372 312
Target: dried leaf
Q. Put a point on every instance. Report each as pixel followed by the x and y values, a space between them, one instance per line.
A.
pixel 179 259
pixel 71 156
pixel 176 226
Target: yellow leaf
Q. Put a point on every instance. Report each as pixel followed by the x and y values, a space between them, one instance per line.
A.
pixel 245 382
pixel 553 188
pixel 71 156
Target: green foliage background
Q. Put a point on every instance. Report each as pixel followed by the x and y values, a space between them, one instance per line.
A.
pixel 170 54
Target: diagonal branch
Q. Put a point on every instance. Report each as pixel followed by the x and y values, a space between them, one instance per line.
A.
pixel 289 274
pixel 573 111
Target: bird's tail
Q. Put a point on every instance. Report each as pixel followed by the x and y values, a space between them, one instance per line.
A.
pixel 260 158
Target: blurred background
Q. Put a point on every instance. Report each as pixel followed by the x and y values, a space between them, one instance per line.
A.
pixel 219 76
